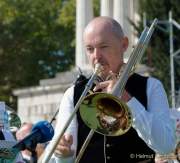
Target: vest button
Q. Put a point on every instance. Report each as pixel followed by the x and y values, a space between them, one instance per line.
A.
pixel 107 145
pixel 108 157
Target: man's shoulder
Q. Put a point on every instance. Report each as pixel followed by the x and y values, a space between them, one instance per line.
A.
pixel 154 80
pixel 136 78
pixel 69 91
pixel 151 79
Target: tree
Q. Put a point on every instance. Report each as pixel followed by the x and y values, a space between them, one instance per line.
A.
pixel 36 41
pixel 159 45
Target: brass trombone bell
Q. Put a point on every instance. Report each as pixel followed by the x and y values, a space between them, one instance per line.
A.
pixel 106 114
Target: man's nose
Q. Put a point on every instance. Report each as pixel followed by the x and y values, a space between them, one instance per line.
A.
pixel 97 54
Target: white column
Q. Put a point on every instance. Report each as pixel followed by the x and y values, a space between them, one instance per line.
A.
pixel 123 12
pixel 84 13
pixel 118 12
pixel 106 8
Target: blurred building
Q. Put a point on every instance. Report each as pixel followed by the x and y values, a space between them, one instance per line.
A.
pixel 41 102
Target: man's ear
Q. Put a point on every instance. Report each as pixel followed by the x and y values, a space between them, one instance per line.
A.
pixel 125 43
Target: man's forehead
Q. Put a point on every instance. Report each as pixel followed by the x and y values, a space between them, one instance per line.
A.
pixel 97 35
pixel 96 40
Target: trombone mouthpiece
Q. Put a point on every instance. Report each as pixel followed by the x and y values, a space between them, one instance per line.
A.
pixel 97 68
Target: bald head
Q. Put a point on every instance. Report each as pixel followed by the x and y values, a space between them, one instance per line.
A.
pixel 105 44
pixel 105 24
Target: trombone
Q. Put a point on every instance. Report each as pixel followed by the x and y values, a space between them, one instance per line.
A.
pixel 105 119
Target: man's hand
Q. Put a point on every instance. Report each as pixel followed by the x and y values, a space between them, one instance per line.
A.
pixel 108 85
pixel 64 147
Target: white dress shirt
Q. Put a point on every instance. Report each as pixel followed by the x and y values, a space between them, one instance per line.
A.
pixel 153 125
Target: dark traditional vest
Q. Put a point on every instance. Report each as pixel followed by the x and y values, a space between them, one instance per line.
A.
pixel 127 148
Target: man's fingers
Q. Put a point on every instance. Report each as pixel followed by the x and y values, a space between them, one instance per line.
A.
pixel 62 149
pixel 100 86
pixel 66 140
pixel 64 146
